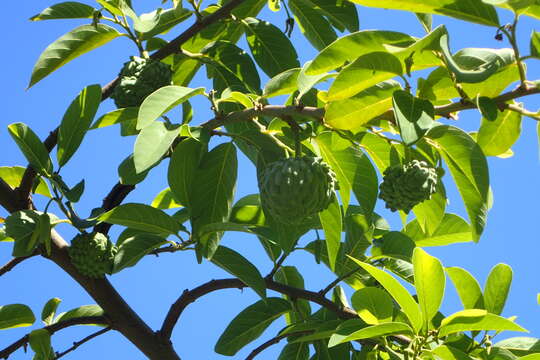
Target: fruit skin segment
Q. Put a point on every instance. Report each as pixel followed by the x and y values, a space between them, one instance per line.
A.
pixel 92 254
pixel 405 186
pixel 294 189
pixel 139 78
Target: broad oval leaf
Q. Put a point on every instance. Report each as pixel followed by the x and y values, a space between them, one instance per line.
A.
pixel 497 288
pixel 249 324
pixel 163 100
pixel 240 267
pixel 69 46
pixel 452 229
pixel 32 148
pixel 272 50
pixel 476 320
pixel 467 287
pixel 312 23
pixel 429 281
pixel 135 248
pixel 141 217
pixel 152 143
pixel 16 315
pixel 212 193
pixel 475 11
pixel 414 116
pixel 115 117
pixel 289 275
pixel 497 136
pixel 373 305
pixel 398 292
pixel 184 162
pixel 282 84
pixel 40 342
pixel 468 166
pixel 332 225
pixel 127 173
pixel 450 353
pixel 81 311
pixel 520 345
pixel 389 328
pixel 76 122
pixel 65 10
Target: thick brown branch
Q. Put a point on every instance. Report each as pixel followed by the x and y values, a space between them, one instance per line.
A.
pixel 13 262
pixel 273 341
pixel 82 341
pixel 52 329
pixel 8 197
pixel 189 296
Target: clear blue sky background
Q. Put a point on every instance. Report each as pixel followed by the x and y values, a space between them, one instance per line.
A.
pixel 511 235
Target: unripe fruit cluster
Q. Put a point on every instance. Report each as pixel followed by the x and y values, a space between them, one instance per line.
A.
pixel 92 254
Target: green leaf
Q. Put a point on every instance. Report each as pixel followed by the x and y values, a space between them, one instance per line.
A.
pixel 312 24
pixel 414 116
pixel 164 21
pixel 13 175
pixel 152 144
pixel 297 351
pixel 49 310
pixel 497 287
pixel 213 192
pixel 373 305
pixel 530 357
pixel 21 226
pixel 15 315
pixel 398 292
pixel 467 287
pixel 282 84
pixel 248 210
pixel 332 225
pixel 161 101
pixel 69 46
pixel 238 266
pixel 348 48
pixel 384 329
pixel 469 169
pixel 476 320
pixel 116 117
pixel 353 170
pixel 307 82
pixel 488 108
pixel 450 353
pixel 289 275
pixel 134 249
pixel 343 15
pixel 66 10
pixel 429 281
pixel 165 200
pixel 249 324
pixel 476 11
pixel 81 311
pixel 497 136
pixel 356 111
pixel 127 173
pixel 32 148
pixel 476 64
pixel 184 162
pixel 430 214
pixel 520 345
pixel 272 50
pixel 141 217
pixel 452 229
pixel 535 44
pixel 40 342
pixel 76 122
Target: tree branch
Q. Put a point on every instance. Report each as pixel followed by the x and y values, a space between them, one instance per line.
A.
pixel 273 341
pixel 80 342
pixel 52 329
pixel 189 296
pixel 14 262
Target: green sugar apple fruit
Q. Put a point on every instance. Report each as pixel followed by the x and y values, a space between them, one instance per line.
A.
pixel 139 78
pixel 405 186
pixel 92 254
pixel 296 188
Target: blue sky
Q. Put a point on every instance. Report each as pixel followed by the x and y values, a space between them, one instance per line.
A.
pixel 511 235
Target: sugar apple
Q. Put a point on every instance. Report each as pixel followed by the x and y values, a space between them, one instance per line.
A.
pixel 295 188
pixel 405 186
pixel 92 254
pixel 139 78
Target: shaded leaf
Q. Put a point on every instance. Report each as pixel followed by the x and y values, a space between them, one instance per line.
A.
pixel 383 329
pixel 15 315
pixel 152 144
pixel 81 311
pixel 141 217
pixel 32 148
pixel 312 24
pixel 282 84
pixel 65 10
pixel 135 248
pixel 115 117
pixel 332 225
pixel 184 162
pixel 13 175
pixel 414 116
pixel 49 310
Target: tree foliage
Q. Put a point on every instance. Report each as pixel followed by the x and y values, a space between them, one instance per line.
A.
pixel 360 105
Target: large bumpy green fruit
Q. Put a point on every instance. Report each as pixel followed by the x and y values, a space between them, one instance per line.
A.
pixel 405 186
pixel 139 78
pixel 92 254
pixel 296 188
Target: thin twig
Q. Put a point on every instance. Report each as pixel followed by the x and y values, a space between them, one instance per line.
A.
pixel 273 341
pixel 14 262
pixel 337 281
pixel 82 341
pixel 277 265
pixel 52 329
